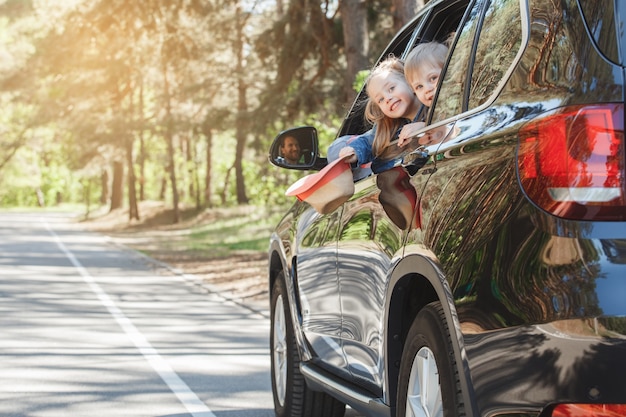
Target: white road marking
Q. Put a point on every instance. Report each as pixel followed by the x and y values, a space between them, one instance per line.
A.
pixel 185 395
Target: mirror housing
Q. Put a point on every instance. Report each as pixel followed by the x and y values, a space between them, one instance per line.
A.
pixel 307 140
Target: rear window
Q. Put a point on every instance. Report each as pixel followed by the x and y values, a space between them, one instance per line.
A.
pixel 500 40
pixel 486 58
pixel 605 21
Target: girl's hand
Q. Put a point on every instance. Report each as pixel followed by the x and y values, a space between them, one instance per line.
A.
pixel 408 132
pixel 348 151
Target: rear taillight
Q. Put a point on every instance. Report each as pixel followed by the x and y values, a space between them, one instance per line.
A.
pixel 571 162
pixel 589 410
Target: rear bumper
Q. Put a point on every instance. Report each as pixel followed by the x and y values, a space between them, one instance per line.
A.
pixel 525 369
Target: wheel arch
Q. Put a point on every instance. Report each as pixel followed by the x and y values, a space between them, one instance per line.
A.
pixel 415 282
pixel 279 261
pixel 276 263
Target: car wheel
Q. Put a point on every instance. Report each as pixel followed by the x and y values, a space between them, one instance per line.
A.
pixel 292 397
pixel 429 380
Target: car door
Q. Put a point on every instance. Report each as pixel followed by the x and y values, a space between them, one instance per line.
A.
pixel 317 284
pixel 316 278
pixel 472 187
pixel 368 242
pixel 374 225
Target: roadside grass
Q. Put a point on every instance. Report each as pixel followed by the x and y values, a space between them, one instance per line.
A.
pixel 210 233
pixel 234 233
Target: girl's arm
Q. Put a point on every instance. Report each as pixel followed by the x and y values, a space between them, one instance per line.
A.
pixel 408 132
pixel 359 146
pixel 362 147
pixel 348 150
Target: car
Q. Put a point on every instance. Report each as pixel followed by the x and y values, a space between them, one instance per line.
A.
pixel 483 273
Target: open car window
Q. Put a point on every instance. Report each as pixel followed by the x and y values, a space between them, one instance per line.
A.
pixel 355 123
pixel 438 22
pixel 443 22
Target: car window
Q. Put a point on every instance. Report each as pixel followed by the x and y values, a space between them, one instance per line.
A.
pixel 355 123
pixel 487 59
pixel 443 22
pixel 499 41
pixel 603 20
pixel 450 95
pixel 436 23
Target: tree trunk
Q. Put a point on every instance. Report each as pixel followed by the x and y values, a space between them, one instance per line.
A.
pixel 242 198
pixel 133 210
pixel 404 10
pixel 242 107
pixel 206 130
pixel 190 163
pixel 226 185
pixel 356 44
pixel 194 176
pixel 117 186
pixel 171 167
pixel 104 186
pixel 163 189
pixel 142 146
pixel 169 138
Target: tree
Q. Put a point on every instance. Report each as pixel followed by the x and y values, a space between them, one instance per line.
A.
pixel 241 126
pixel 302 49
pixel 356 42
pixel 138 89
pixel 404 10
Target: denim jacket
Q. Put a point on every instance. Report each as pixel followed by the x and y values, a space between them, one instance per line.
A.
pixel 362 146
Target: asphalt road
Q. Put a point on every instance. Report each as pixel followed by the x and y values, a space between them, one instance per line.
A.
pixel 91 329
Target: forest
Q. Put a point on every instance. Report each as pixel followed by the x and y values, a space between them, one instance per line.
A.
pixel 113 102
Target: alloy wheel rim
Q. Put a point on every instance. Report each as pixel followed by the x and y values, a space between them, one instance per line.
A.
pixel 280 351
pixel 424 392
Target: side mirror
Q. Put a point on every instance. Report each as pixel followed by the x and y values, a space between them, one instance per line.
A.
pixel 297 148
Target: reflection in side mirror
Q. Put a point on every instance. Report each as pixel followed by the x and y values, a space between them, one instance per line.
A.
pixel 297 148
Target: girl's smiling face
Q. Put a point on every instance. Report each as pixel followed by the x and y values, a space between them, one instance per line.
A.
pixel 393 94
pixel 424 83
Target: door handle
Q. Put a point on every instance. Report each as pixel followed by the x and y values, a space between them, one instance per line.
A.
pixel 415 160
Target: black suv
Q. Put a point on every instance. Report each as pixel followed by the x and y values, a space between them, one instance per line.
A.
pixel 501 290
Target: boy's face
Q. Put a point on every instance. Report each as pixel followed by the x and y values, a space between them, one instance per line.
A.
pixel 424 83
pixel 392 93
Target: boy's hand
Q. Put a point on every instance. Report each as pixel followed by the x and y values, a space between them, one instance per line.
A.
pixel 408 132
pixel 348 151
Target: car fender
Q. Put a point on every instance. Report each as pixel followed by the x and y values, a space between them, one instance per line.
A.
pixel 422 264
pixel 286 264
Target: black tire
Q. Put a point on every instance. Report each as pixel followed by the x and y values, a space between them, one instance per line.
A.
pixel 428 352
pixel 292 397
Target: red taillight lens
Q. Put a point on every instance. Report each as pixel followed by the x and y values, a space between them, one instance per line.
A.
pixel 589 410
pixel 571 162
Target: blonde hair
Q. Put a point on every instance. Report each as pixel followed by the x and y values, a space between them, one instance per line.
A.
pixel 386 127
pixel 431 53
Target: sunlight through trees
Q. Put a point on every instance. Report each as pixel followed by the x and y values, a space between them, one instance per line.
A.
pixel 171 100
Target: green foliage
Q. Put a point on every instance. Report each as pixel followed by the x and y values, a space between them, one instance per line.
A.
pixel 245 228
pixel 84 79
pixel 614 324
pixel 35 184
pixel 244 233
pixel 359 80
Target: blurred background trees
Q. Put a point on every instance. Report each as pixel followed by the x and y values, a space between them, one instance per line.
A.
pixel 111 102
